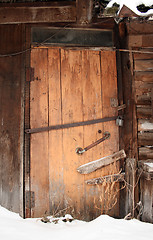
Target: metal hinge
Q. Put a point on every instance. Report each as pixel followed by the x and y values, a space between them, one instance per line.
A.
pixel 29 74
pixel 30 199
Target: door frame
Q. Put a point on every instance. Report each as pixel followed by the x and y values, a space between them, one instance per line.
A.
pixel 27 194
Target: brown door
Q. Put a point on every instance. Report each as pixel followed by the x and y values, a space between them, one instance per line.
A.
pixel 71 86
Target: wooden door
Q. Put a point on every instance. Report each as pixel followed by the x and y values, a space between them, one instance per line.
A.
pixel 71 86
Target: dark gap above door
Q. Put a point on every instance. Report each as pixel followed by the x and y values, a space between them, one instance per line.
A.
pixel 72 37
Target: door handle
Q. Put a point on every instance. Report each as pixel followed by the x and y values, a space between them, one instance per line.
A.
pixel 80 150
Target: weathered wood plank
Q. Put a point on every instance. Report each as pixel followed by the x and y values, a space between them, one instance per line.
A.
pixel 145 153
pixel 143 87
pixel 39 142
pixel 143 76
pixel 56 183
pixel 102 162
pixel 143 65
pixel 145 125
pixel 143 100
pixel 143 92
pixel 11 131
pixel 84 11
pixel 145 138
pixel 109 78
pixel 72 111
pixel 23 3
pixel 144 55
pixel 147 40
pixel 141 40
pixel 130 178
pixel 106 179
pixel 144 111
pixel 37 14
pixel 137 27
pixel 146 197
pixel 92 108
pixel 135 40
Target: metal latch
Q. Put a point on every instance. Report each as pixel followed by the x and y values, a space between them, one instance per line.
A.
pixel 79 150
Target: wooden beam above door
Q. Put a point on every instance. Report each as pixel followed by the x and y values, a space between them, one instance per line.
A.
pixel 49 12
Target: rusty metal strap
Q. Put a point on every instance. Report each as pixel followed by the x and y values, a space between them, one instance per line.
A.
pixel 70 125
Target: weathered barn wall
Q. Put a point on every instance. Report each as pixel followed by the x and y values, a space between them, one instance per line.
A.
pixel 141 39
pixel 11 70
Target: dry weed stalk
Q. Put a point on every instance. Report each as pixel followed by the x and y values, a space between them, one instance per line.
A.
pixel 132 186
pixel 108 192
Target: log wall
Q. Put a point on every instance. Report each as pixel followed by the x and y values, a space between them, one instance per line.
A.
pixel 140 38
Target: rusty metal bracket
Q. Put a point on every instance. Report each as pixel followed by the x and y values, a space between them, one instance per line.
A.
pixel 80 150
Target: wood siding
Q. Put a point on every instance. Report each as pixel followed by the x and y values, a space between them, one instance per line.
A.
pixel 37 12
pixel 140 38
pixel 11 69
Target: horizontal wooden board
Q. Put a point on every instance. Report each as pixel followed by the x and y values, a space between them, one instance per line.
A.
pixel 135 41
pixel 34 14
pixel 143 100
pixel 145 138
pixel 145 125
pixel 143 86
pixel 25 3
pixel 148 54
pixel 143 92
pixel 144 112
pixel 137 27
pixel 141 40
pixel 107 179
pixel 143 76
pixel 102 162
pixel 143 65
pixel 145 153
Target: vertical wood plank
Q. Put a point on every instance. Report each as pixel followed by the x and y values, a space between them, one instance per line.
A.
pixel 27 210
pixel 84 11
pixel 92 109
pixel 109 90
pixel 146 196
pixel 56 165
pixel 71 80
pixel 10 116
pixel 39 142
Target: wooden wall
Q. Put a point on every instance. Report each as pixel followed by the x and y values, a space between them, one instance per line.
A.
pixel 140 38
pixel 11 74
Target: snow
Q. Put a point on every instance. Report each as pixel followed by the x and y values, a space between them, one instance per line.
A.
pixel 149 164
pixel 13 227
pixel 132 4
pixel 147 126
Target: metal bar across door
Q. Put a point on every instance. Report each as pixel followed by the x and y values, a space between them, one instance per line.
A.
pixel 70 125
